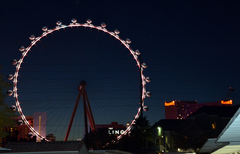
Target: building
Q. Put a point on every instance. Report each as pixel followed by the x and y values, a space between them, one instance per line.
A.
pixel 183 109
pixel 213 119
pixel 51 137
pixel 174 135
pixel 112 129
pixel 186 135
pixel 22 129
pixel 108 132
pixel 40 122
pixel 20 132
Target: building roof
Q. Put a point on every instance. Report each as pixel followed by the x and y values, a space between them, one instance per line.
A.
pixel 113 124
pixel 44 146
pixel 187 102
pixel 27 117
pixel 221 111
pixel 211 145
pixel 171 124
pixel 231 132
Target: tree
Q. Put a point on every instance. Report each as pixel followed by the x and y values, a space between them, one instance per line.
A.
pixel 188 136
pixel 4 85
pixel 141 132
pixel 6 114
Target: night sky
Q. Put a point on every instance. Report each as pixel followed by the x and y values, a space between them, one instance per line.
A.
pixel 191 49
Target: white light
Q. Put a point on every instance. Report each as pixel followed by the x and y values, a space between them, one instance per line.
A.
pixel 89 21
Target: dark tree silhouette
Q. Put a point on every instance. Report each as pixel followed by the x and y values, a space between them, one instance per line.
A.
pixel 6 114
pixel 188 136
pixel 141 132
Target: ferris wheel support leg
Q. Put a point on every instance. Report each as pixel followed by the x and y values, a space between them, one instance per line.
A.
pixel 72 117
pixel 85 114
pixel 90 115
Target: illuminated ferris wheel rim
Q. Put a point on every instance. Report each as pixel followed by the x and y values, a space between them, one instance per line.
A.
pixel 74 23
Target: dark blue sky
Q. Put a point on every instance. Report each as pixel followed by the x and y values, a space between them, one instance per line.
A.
pixel 191 48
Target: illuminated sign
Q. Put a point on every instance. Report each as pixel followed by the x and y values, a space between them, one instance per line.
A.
pixel 112 131
pixel 226 102
pixel 170 103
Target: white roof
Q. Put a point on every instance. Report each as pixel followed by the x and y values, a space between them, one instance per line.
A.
pixel 228 141
pixel 231 132
pixel 5 149
pixel 232 147
pixel 211 145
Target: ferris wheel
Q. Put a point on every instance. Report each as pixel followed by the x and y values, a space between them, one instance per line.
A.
pixel 39 66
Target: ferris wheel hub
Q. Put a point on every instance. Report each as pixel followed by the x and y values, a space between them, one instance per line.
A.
pixel 83 83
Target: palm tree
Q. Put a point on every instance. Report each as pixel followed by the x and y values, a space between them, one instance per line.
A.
pixel 141 132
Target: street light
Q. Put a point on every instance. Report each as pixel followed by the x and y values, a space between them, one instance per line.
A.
pixel 159 131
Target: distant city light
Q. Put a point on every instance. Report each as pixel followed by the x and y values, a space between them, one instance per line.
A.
pixel 226 102
pixel 170 103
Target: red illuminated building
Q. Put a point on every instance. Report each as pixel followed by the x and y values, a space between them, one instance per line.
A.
pixel 23 129
pixel 18 133
pixel 51 137
pixel 183 109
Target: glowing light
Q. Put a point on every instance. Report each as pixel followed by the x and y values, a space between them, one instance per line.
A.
pixel 148 79
pixel 144 65
pixel 10 77
pixel 59 23
pixel 226 102
pixel 74 20
pixel 31 37
pixel 44 28
pixel 21 48
pixel 128 41
pixel 214 125
pixel 148 94
pixel 14 62
pixel 89 21
pixel 159 131
pixel 24 54
pixel 9 92
pixel 103 25
pixel 116 31
pixel 170 103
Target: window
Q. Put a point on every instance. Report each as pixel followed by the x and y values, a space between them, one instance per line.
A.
pixel 25 131
pixel 214 125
